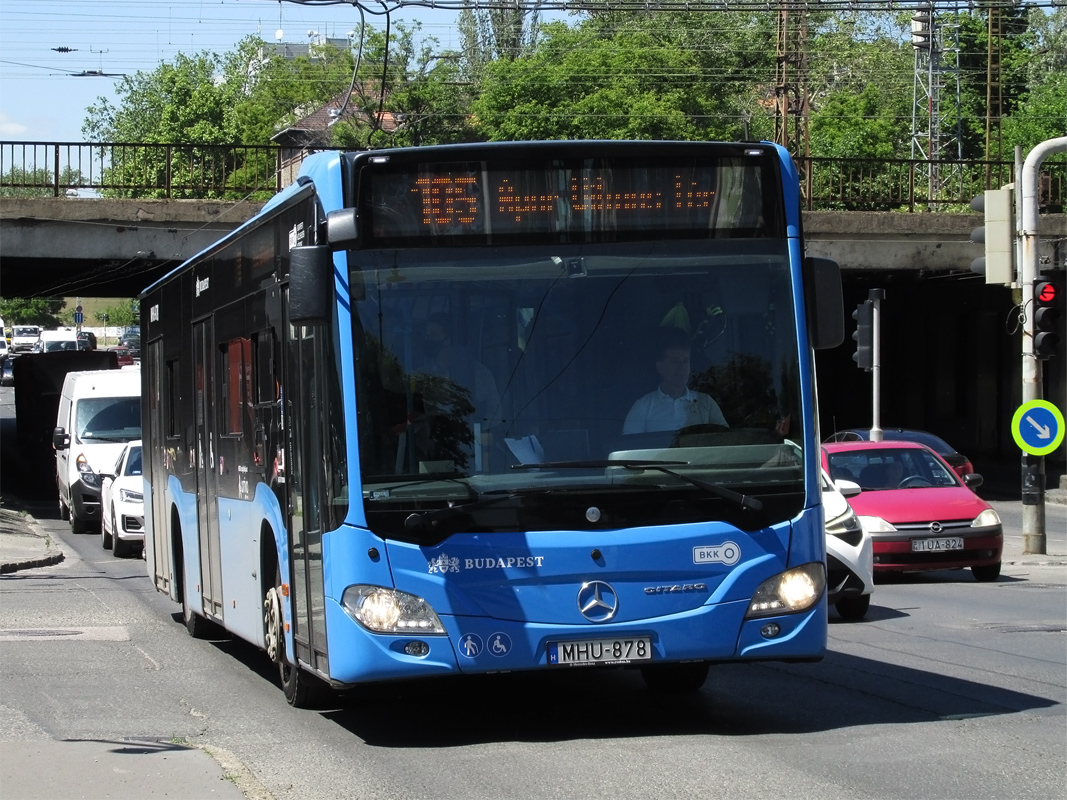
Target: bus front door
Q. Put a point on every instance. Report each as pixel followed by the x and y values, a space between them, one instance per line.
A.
pixel 306 485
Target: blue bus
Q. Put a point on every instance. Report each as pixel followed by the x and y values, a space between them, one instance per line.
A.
pixel 497 407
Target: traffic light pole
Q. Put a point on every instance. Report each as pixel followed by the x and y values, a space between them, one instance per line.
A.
pixel 876 296
pixel 1033 475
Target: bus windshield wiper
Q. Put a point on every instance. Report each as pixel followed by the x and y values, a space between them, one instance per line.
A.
pixel 743 500
pixel 420 519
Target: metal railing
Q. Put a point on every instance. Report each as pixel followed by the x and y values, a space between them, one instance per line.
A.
pixel 186 171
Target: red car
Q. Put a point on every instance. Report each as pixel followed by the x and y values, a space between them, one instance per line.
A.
pixel 919 512
pixel 125 357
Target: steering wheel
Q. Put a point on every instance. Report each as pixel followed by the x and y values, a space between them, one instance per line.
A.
pixel 913 481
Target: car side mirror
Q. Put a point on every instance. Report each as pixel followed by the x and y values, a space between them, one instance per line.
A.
pixel 973 480
pixel 60 439
pixel 848 488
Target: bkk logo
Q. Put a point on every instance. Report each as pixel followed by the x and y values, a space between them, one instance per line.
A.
pixel 727 553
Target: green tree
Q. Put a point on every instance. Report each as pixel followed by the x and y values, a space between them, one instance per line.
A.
pixel 559 91
pixel 489 35
pixel 38 182
pixel 1041 113
pixel 860 84
pixel 243 97
pixel 43 311
pixel 405 93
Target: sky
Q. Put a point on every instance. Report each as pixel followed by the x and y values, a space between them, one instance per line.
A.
pixel 42 99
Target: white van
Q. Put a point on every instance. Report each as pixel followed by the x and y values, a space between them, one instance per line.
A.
pixel 24 337
pixel 61 339
pixel 99 411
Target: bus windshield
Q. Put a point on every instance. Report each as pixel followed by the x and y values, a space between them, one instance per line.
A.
pixel 507 388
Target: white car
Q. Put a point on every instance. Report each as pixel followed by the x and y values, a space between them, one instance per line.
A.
pixel 122 504
pixel 849 551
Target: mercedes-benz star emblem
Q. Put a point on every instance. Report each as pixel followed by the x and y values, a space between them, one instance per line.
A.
pixel 597 601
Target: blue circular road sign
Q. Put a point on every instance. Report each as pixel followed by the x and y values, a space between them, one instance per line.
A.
pixel 1037 427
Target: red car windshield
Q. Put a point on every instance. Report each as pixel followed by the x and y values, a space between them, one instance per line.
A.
pixel 883 468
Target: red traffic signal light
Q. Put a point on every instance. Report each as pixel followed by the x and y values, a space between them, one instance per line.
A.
pixel 1046 317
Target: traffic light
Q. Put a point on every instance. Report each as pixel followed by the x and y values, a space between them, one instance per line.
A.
pixel 998 235
pixel 1046 317
pixel 864 335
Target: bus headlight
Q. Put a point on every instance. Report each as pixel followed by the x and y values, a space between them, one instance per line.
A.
pixel 788 592
pixel 382 610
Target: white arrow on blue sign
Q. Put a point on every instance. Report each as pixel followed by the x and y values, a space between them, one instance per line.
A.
pixel 1037 427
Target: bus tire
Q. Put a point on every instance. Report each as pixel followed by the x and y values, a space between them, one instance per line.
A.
pixel 198 627
pixel 301 688
pixel 675 678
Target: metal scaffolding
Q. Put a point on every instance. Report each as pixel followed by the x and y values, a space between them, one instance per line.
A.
pixel 936 127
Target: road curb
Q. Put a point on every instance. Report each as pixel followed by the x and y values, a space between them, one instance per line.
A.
pixel 33 563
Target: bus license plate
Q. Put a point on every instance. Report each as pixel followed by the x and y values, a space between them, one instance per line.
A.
pixel 600 651
pixel 936 545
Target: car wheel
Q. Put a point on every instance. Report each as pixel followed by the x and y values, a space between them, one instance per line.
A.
pixel 64 509
pixel 105 535
pixel 675 678
pixel 853 607
pixel 123 549
pixel 77 525
pixel 986 574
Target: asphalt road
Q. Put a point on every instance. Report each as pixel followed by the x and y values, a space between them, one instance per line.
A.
pixel 949 689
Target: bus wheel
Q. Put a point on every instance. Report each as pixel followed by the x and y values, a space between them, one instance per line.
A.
pixel 675 678
pixel 64 510
pixel 301 688
pixel 198 627
pixel 272 625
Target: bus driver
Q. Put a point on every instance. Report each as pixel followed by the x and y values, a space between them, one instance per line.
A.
pixel 673 405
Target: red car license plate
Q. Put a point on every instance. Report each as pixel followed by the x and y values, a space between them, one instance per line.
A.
pixel 937 545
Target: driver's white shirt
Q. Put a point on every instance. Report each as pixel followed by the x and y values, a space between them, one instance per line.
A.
pixel 657 411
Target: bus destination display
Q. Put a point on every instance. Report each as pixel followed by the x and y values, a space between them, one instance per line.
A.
pixel 611 200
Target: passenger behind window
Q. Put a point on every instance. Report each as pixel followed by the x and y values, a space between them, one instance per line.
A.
pixel 673 405
pixel 460 364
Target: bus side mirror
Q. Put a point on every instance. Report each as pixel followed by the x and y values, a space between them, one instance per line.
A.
pixel 822 291
pixel 310 284
pixel 60 439
pixel 342 228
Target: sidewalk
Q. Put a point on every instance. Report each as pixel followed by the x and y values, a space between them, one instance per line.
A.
pixel 34 766
pixel 23 544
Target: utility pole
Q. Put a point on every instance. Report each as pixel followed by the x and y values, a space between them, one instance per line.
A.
pixel 1033 467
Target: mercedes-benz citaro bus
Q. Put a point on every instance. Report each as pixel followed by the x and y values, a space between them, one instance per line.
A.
pixel 498 407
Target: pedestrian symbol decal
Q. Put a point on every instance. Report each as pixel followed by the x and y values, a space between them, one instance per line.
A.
pixel 470 645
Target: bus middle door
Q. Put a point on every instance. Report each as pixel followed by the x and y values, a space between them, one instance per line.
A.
pixel 207 455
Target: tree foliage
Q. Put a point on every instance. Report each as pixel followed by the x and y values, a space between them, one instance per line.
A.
pixel 43 311
pixel 601 74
